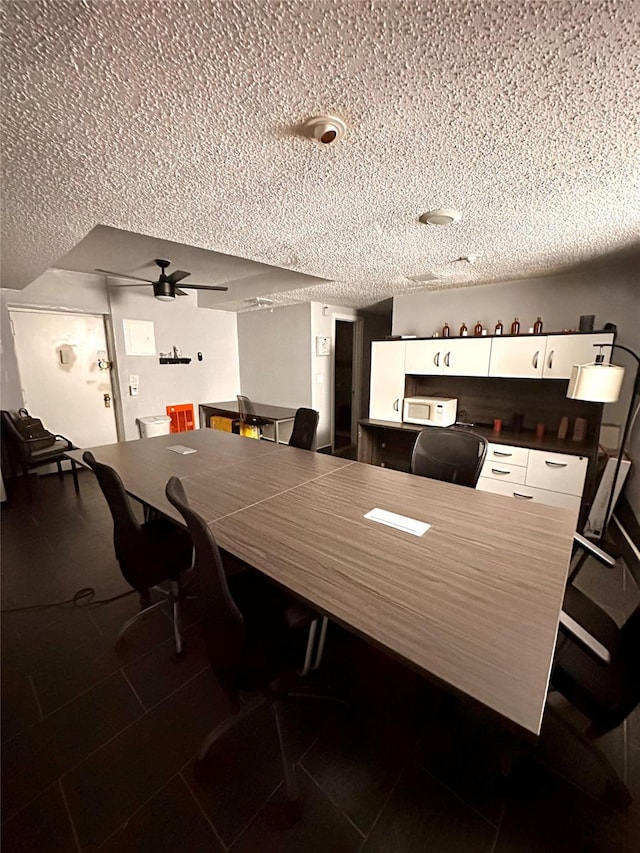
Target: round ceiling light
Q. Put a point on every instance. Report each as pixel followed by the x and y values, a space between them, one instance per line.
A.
pixel 441 216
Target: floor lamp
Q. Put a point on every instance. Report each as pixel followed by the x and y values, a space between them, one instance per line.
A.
pixel 601 383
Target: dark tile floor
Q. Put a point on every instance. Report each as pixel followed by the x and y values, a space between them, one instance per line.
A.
pixel 99 744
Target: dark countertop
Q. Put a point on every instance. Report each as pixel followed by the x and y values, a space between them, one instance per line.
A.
pixel 523 438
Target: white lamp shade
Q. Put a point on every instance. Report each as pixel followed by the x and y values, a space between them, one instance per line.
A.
pixel 598 383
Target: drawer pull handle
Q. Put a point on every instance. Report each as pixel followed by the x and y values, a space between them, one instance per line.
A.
pixel 499 471
pixel 446 359
pixel 526 497
pixel 550 359
pixel 395 405
pixel 436 359
pixel 555 464
pixel 500 453
pixel 534 360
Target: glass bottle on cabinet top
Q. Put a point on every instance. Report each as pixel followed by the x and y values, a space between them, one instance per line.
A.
pixel 515 327
pixel 478 329
pixel 498 328
pixel 463 330
pixel 537 327
pixel 445 330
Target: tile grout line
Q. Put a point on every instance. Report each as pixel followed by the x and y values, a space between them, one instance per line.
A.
pixel 385 803
pixel 200 807
pixel 37 698
pixel 133 690
pixel 106 742
pixel 69 816
pixel 332 801
pixel 499 826
pixel 455 793
pixel 256 813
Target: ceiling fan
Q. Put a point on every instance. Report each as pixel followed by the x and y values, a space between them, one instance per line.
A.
pixel 165 287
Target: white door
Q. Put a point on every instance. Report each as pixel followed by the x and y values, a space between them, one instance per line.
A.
pixel 563 351
pixel 467 357
pixel 62 382
pixel 387 380
pixel 518 357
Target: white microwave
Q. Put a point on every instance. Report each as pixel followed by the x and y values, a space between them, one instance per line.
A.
pixel 430 411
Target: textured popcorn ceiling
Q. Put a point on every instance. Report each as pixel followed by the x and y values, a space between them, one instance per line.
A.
pixel 177 119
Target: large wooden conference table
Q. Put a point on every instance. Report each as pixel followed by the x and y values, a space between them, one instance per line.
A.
pixel 475 601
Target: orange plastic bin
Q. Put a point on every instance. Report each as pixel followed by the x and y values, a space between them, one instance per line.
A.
pixel 182 417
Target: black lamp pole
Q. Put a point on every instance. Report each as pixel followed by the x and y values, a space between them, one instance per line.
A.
pixel 627 426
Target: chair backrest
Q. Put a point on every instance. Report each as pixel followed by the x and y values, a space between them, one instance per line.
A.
pixel 449 454
pixel 304 429
pixel 9 429
pixel 245 407
pixel 223 623
pixel 128 536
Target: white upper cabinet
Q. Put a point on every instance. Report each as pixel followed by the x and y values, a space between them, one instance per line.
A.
pixel 563 351
pixel 467 357
pixel 520 358
pixel 425 358
pixel 387 380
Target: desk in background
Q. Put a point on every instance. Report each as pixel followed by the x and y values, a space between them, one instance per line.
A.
pixel 275 415
pixel 474 602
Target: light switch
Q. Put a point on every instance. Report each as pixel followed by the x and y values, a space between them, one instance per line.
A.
pixel 133 390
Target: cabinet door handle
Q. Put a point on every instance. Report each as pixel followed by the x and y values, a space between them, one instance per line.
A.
pixel 550 359
pixel 555 464
pixel 446 359
pixel 526 497
pixel 395 405
pixel 501 453
pixel 499 471
pixel 534 360
pixel 436 359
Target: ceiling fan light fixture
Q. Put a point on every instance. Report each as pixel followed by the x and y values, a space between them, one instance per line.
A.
pixel 163 297
pixel 440 216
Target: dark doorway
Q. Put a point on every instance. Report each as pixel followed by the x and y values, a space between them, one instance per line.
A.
pixel 343 385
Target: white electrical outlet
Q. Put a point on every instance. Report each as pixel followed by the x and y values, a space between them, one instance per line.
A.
pixel 134 380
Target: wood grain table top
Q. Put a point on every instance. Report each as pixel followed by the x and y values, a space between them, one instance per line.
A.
pixel 475 601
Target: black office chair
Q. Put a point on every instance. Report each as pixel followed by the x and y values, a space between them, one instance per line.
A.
pixel 26 454
pixel 148 553
pixel 597 669
pixel 449 454
pixel 249 629
pixel 304 429
pixel 250 425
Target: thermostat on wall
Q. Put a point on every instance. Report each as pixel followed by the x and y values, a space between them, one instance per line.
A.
pixel 323 345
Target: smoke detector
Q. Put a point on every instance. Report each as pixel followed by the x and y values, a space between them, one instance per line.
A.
pixel 325 129
pixel 440 216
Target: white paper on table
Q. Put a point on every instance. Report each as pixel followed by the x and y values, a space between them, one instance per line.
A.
pixel 180 448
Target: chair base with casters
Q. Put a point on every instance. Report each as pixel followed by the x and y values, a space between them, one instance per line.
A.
pixel 148 553
pixel 175 595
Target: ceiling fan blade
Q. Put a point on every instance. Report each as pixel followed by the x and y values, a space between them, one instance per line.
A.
pixel 205 287
pixel 177 275
pixel 124 275
pixel 141 284
pixel 179 292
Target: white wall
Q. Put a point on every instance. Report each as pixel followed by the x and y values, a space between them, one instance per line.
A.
pixel 191 329
pixel 274 349
pixel 612 295
pixel 180 323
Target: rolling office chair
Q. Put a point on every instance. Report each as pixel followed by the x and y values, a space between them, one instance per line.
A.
pixel 148 553
pixel 26 454
pixel 449 454
pixel 597 669
pixel 250 425
pixel 249 626
pixel 304 429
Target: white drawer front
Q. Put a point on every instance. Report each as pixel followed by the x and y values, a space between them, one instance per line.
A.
pixel 503 471
pixel 526 493
pixel 558 472
pixel 507 453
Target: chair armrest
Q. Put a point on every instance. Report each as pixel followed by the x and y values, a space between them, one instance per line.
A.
pixel 70 444
pixel 600 555
pixel 583 638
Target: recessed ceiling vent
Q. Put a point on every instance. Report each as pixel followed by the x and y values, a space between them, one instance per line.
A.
pixel 259 301
pixel 427 276
pixel 440 216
